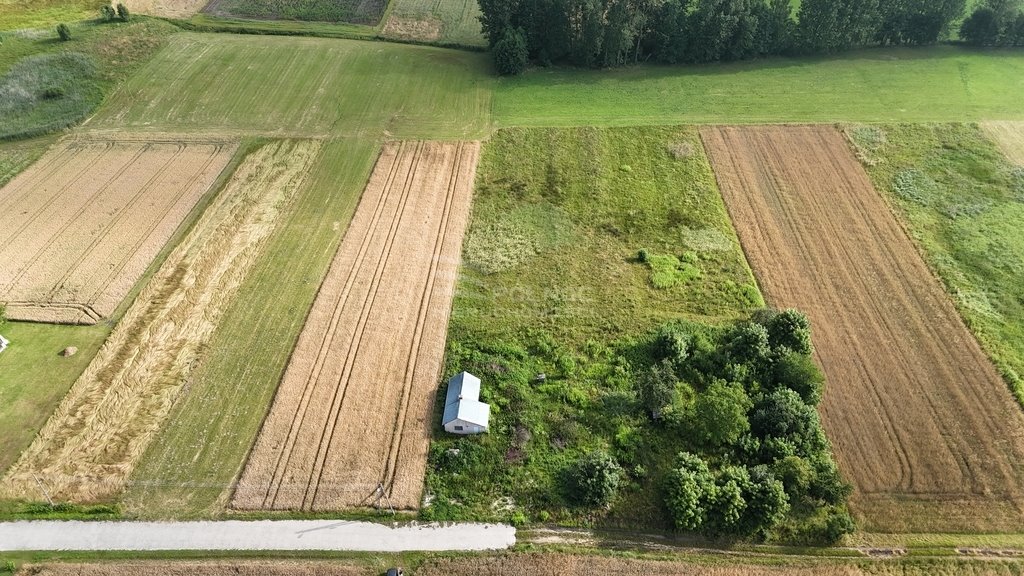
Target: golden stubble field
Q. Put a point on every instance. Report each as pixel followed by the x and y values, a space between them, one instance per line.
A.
pixel 89 446
pixel 1009 136
pixel 81 226
pixel 352 412
pixel 921 422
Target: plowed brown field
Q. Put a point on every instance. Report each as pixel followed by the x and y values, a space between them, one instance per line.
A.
pixel 92 442
pixel 79 228
pixel 921 422
pixel 1009 136
pixel 352 411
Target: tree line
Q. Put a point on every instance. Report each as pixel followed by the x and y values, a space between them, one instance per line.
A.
pixel 606 33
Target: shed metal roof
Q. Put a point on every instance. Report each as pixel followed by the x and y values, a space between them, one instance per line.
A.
pixel 462 402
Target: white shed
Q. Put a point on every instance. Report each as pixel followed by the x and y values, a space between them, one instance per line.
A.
pixel 464 413
pixel 4 343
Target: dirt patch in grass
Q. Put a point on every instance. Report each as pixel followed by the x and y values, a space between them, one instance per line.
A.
pixel 352 412
pixel 79 228
pixel 921 422
pixel 98 433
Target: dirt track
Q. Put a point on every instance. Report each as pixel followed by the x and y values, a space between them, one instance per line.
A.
pixel 80 227
pixel 354 405
pixel 92 442
pixel 922 424
pixel 1009 136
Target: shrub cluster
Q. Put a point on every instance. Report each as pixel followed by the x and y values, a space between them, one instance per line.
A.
pixel 994 23
pixel 601 33
pixel 758 446
pixel 109 13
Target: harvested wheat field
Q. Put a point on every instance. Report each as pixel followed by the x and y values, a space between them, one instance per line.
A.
pixel 552 564
pixel 200 568
pixel 352 411
pixel 79 228
pixel 94 439
pixel 1009 136
pixel 922 424
pixel 166 8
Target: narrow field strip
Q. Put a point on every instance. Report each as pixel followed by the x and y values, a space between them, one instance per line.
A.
pixel 921 422
pixel 98 433
pixel 79 228
pixel 351 414
pixel 1009 136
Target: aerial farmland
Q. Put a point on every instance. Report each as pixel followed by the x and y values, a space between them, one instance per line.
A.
pixel 723 291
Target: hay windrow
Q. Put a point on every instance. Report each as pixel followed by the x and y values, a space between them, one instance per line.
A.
pixel 353 411
pixel 921 422
pixel 92 442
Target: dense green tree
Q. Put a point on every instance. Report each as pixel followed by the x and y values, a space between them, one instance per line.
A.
pixel 981 28
pixel 748 343
pixel 63 32
pixel 720 415
pixel 511 54
pixel 784 415
pixel 689 489
pixel 788 330
pixel 799 373
pixel 656 387
pixel 834 25
pixel 122 12
pixel 767 503
pixel 594 479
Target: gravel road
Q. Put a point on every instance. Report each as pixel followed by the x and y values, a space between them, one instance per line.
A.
pixel 253 535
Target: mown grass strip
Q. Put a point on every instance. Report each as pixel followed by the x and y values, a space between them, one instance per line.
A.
pixel 942 83
pixel 189 469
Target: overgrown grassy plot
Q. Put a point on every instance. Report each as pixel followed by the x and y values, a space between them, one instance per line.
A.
pixel 551 284
pixel 36 13
pixel 355 11
pixel 964 204
pixel 189 468
pixel 927 84
pixel 304 86
pixel 47 85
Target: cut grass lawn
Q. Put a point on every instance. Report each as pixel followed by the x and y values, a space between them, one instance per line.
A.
pixel 16 14
pixel 34 378
pixel 942 83
pixel 454 21
pixel 551 284
pixel 963 203
pixel 189 468
pixel 304 86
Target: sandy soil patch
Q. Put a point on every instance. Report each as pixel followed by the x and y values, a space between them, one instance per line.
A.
pixel 921 422
pixel 352 412
pixel 89 446
pixel 1009 136
pixel 166 8
pixel 80 226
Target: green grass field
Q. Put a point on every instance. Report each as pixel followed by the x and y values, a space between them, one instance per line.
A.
pixel 551 284
pixel 34 378
pixel 881 85
pixel 964 205
pixel 189 468
pixel 304 87
pixel 456 20
pixel 15 14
